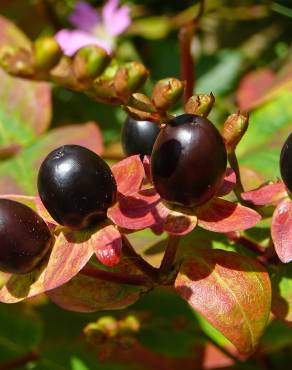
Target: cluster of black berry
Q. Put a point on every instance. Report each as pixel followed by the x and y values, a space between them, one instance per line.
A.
pixel 188 163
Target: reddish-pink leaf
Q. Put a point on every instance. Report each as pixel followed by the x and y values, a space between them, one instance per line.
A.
pixel 282 292
pixel 253 87
pixel 27 200
pixel 178 223
pixel 138 211
pixel 147 167
pixel 222 216
pixel 19 287
pixel 71 252
pixel 42 211
pixel 231 291
pixel 88 294
pixel 266 194
pixel 228 183
pixel 281 230
pixel 107 245
pixel 129 174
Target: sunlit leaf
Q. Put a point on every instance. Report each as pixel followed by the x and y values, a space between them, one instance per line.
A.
pixel 231 291
pixel 223 216
pixel 266 194
pixel 281 230
pixel 107 245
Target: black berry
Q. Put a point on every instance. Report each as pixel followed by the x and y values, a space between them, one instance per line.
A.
pixel 25 237
pixel 138 137
pixel 76 186
pixel 188 160
pixel 286 163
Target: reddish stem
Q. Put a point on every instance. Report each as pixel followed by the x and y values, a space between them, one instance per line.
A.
pixel 238 189
pixel 185 36
pixel 248 243
pixel 19 362
pixel 139 262
pixel 169 255
pixel 115 277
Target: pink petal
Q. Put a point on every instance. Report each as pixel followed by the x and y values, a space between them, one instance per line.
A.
pixel 281 230
pixel 129 174
pixel 228 183
pixel 71 41
pixel 115 19
pixel 178 223
pixel 107 245
pixel 222 216
pixel 266 194
pixel 138 211
pixel 84 16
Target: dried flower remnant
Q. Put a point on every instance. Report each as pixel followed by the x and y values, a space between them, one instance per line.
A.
pixel 94 28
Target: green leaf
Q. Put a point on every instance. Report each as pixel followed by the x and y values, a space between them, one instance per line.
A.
pixel 19 174
pixel 231 291
pixel 282 292
pixel 25 106
pixel 269 127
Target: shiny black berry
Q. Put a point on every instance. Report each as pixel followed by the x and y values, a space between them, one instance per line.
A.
pixel 286 163
pixel 76 186
pixel 188 160
pixel 138 137
pixel 24 237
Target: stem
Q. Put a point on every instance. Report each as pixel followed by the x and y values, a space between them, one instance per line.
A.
pixel 115 277
pixel 238 189
pixel 185 36
pixel 169 255
pixel 150 271
pixel 249 244
pixel 18 362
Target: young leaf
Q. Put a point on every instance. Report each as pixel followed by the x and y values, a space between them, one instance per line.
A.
pixel 228 183
pixel 231 291
pixel 219 215
pixel 107 245
pixel 281 230
pixel 266 194
pixel 129 174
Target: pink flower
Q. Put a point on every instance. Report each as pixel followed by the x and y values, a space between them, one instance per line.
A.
pixel 281 228
pixel 93 28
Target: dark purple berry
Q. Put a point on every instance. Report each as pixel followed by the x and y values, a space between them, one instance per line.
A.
pixel 286 163
pixel 138 137
pixel 25 237
pixel 76 186
pixel 188 160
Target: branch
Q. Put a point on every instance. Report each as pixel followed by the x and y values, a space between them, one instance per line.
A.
pixel 169 255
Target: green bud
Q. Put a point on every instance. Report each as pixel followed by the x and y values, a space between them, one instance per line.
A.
pixel 200 104
pixel 129 78
pixel 47 53
pixel 63 74
pixel 89 62
pixel 166 93
pixel 16 61
pixel 233 130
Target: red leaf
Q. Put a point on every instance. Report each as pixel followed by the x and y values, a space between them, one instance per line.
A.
pixel 147 167
pixel 266 194
pixel 222 216
pixel 27 200
pixel 253 87
pixel 129 174
pixel 178 223
pixel 107 245
pixel 138 211
pixel 228 183
pixel 42 211
pixel 231 291
pixel 88 294
pixel 71 252
pixel 281 230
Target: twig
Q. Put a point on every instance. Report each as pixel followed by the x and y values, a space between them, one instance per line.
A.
pixel 20 361
pixel 169 255
pixel 139 262
pixel 185 36
pixel 115 277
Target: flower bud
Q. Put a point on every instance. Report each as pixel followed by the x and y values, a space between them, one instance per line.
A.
pixel 233 130
pixel 89 62
pixel 16 61
pixel 140 107
pixel 200 105
pixel 47 53
pixel 129 78
pixel 166 93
